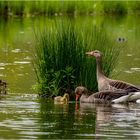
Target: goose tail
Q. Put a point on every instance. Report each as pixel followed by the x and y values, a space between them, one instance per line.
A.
pixel 135 96
pixel 123 99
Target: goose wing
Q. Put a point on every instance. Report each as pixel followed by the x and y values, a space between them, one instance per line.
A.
pixel 110 95
pixel 116 84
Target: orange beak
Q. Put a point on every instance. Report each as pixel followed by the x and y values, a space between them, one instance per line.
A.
pixel 89 53
pixel 77 97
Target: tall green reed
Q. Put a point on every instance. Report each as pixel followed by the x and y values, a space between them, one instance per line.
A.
pixel 60 62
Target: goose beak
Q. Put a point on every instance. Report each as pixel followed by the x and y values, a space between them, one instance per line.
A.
pixel 77 97
pixel 89 53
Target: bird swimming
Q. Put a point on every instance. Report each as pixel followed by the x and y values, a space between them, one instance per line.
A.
pixel 118 96
pixel 62 99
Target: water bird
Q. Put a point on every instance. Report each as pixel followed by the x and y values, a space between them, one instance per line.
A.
pixel 105 83
pixel 107 96
pixel 121 39
pixel 62 99
pixel 3 86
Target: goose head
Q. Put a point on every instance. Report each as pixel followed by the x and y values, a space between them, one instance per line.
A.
pixel 97 54
pixel 79 91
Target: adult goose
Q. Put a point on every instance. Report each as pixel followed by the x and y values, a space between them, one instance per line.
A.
pixel 2 87
pixel 62 99
pixel 118 96
pixel 105 83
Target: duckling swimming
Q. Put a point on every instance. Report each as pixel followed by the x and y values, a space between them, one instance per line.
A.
pixel 62 100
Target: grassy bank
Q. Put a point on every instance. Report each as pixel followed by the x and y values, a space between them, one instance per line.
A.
pixel 63 7
pixel 60 62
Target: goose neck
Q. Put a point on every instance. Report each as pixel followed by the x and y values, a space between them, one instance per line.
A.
pixel 99 71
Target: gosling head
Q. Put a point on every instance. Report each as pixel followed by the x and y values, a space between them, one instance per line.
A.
pixel 97 54
pixel 66 95
pixel 79 91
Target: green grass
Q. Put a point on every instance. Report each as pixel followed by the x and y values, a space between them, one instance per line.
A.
pixel 60 62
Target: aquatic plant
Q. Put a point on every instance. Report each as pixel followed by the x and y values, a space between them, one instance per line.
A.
pixel 58 55
pixel 60 62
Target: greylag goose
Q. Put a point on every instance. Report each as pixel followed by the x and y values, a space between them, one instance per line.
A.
pixel 2 87
pixel 118 96
pixel 62 100
pixel 105 83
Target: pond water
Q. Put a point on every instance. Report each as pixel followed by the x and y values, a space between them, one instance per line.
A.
pixel 24 116
pixel 27 117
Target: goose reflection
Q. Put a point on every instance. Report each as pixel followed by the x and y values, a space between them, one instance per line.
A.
pixel 102 114
pixel 102 111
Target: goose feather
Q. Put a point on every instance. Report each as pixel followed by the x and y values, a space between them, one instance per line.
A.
pixel 118 96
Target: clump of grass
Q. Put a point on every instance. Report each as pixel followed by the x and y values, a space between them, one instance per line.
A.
pixel 60 61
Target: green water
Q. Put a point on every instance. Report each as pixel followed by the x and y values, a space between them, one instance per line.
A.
pixel 24 116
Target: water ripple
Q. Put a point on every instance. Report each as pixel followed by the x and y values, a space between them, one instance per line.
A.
pixel 22 62
pixel 22 116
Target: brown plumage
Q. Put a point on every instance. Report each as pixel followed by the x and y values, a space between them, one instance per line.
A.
pixel 118 96
pixel 2 87
pixel 105 83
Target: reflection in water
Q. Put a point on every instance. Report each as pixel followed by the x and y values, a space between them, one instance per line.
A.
pixel 16 51
pixel 17 44
pixel 28 117
pixel 62 121
pixel 18 115
pixel 115 121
